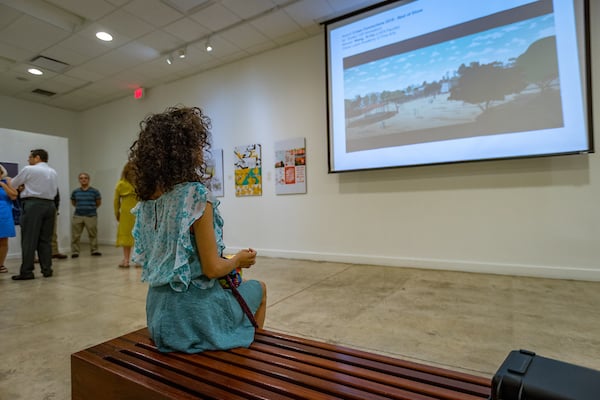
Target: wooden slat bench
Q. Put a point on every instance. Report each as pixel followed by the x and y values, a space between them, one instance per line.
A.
pixel 276 366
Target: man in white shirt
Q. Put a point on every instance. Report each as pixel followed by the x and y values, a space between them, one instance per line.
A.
pixel 38 213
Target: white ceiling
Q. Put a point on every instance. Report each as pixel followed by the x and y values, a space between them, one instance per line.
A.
pixel 145 32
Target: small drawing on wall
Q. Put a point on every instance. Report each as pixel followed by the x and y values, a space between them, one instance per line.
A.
pixel 248 170
pixel 290 166
pixel 214 172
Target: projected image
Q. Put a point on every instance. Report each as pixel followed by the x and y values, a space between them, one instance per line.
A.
pixel 499 80
pixel 422 82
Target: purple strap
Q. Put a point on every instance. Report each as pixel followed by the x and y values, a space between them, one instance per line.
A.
pixel 241 300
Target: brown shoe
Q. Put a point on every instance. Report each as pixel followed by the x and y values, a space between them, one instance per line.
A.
pixel 59 256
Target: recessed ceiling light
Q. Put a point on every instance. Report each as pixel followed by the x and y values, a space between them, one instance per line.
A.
pixel 35 71
pixel 107 37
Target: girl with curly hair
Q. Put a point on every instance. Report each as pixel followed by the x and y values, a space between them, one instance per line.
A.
pixel 178 241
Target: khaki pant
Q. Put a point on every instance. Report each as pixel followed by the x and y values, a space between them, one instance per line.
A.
pixel 91 226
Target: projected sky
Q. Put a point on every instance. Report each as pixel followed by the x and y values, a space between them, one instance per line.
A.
pixel 441 60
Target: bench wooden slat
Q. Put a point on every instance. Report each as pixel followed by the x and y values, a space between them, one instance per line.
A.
pixel 96 378
pixel 353 375
pixel 302 373
pixel 388 367
pixel 275 366
pixel 359 372
pixel 244 382
pixel 336 383
pixel 338 352
pixel 197 378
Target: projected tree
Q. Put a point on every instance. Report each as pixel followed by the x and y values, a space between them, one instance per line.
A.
pixel 482 84
pixel 539 64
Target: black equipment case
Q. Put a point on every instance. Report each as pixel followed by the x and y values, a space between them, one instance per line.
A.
pixel 527 376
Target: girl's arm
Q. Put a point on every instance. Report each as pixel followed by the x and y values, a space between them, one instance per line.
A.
pixel 10 191
pixel 214 266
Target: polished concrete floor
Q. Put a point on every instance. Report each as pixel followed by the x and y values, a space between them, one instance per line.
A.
pixel 461 321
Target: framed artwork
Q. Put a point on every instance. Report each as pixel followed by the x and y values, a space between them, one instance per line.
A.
pixel 248 170
pixel 290 166
pixel 214 171
pixel 11 168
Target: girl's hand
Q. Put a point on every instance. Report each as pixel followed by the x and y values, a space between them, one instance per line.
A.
pixel 246 258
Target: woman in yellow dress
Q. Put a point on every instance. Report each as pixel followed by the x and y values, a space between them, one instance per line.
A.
pixel 125 200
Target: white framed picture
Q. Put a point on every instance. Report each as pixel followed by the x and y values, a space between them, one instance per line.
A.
pixel 214 171
pixel 290 166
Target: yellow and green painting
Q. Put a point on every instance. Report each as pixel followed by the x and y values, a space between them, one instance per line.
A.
pixel 248 170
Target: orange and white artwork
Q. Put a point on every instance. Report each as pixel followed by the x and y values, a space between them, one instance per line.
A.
pixel 290 166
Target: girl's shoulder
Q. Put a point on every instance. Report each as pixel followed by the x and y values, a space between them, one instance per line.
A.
pixel 188 188
pixel 181 192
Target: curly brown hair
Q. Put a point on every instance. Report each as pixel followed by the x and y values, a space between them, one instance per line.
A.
pixel 169 150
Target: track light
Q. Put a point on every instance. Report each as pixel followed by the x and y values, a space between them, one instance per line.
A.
pixel 169 60
pixel 181 53
pixel 208 46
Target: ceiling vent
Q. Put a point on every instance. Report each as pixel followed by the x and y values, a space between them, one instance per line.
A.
pixel 5 62
pixel 50 64
pixel 187 7
pixel 43 92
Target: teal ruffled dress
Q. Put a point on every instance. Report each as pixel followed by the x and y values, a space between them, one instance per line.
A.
pixel 185 310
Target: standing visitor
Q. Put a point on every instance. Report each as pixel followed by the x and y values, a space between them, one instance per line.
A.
pixel 7 223
pixel 86 200
pixel 125 199
pixel 40 185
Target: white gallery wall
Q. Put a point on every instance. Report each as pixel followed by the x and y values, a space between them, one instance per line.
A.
pixel 25 126
pixel 537 217
pixel 15 148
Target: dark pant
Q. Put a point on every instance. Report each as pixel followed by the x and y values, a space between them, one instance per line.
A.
pixel 37 224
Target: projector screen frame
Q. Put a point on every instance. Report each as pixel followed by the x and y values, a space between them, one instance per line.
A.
pixel 582 17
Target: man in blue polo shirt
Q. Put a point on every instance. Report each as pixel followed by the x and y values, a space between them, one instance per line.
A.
pixel 86 201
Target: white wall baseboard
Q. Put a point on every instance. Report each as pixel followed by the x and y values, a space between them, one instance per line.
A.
pixel 539 271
